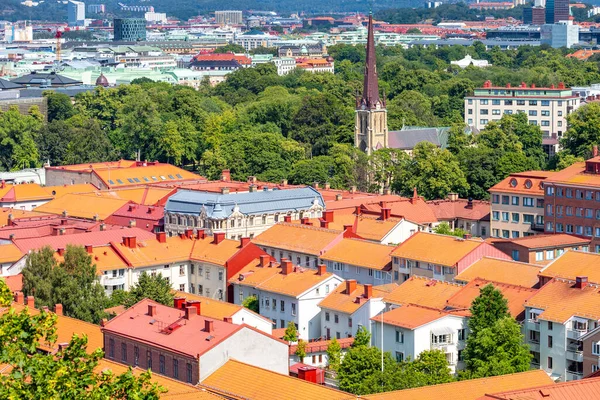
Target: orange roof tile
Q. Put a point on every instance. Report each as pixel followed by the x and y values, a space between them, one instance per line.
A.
pixel 368 227
pixel 560 301
pixel 410 316
pixel 451 209
pixel 504 271
pixel 299 238
pixel 14 282
pixel 470 389
pixel 415 211
pixel 82 206
pixel 210 307
pixel 205 250
pixel 140 195
pixel 575 175
pixel 361 253
pixel 572 264
pixel 152 252
pixel 254 383
pixel 9 253
pixel 515 295
pixel 436 249
pixel 16 214
pixel 586 389
pixel 136 176
pixel 105 257
pixel 339 300
pixel 58 191
pixel 23 192
pixel 547 241
pixel 424 292
pixel 528 182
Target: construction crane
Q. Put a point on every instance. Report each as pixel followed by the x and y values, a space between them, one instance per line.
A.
pixel 58 36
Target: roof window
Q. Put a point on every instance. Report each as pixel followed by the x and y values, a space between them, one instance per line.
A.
pixel 120 181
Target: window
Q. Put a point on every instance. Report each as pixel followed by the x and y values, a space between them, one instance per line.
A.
pixel 539 256
pixel 483 112
pixel 515 255
pixel 508 102
pixel 545 103
pixel 483 121
pixel 293 308
pixel 569 210
pixel 399 357
pixel 549 254
pixel 520 102
pixel 188 373
pixel 550 227
pixel 136 356
pixel 495 112
pixel 207 274
pixel 505 233
pixel 282 323
pixel 549 341
pixel 579 194
pixel 533 102
pixel 337 335
pixel 149 360
pixel 461 357
pixel 496 198
pixel 182 287
pixel 461 334
pixel 336 318
pixel 527 219
pixel 440 339
pixel 595 367
pixel 550 363
pixel 549 209
pixel 549 325
pixel 550 190
pixel 588 231
pixel 505 216
pixel 532 113
pixel 274 304
pixel 496 215
pixel 282 305
pixel 596 348
pixel 161 364
pixel 124 352
pixel 111 348
pixel 528 202
pixel 589 213
pixel 327 286
pixel 175 368
pixel 220 275
pixel 483 102
pixel 515 217
pixel 539 203
pixel 399 337
pixel 515 234
pixel 559 227
pixel 515 200
pixel 350 322
pixel 326 316
pixel 505 199
pixel 569 228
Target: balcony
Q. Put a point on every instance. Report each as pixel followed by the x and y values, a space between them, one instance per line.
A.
pixel 534 345
pixel 113 280
pixel 574 375
pixel 575 355
pixel 576 333
pixel 537 227
pixel 533 325
pixel 535 364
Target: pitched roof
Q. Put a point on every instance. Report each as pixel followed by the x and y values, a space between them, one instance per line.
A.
pixel 322 345
pixel 470 389
pixel 14 282
pixel 546 241
pixel 424 292
pixel 153 252
pixel 299 238
pixel 415 210
pixel 7 85
pixel 83 206
pixel 5 212
pixel 349 303
pixel 528 182
pixel 148 195
pixel 410 316
pixel 23 192
pixel 368 227
pixel 253 383
pixel 561 300
pixel 586 389
pixel 448 209
pixel 575 175
pixel 9 253
pixel 515 295
pixel 105 257
pixel 40 78
pixel 361 253
pixel 504 271
pixel 572 264
pixel 61 190
pixel 407 139
pixel 210 307
pixel 206 250
pixel 449 250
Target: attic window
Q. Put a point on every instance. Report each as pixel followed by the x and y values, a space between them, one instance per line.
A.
pixel 528 184
pixel 513 182
pixel 146 179
pixel 136 179
pixel 179 176
pixel 154 178
pixel 120 181
pixel 163 178
pixel 171 177
pixel 130 180
pixel 111 182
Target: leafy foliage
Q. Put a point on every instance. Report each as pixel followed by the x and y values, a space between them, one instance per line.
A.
pixel 251 303
pixel 334 355
pixel 301 350
pixel 362 337
pixel 291 333
pixel 153 287
pixel 444 229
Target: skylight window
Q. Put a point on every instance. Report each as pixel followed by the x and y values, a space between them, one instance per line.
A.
pixel 136 179
pixel 146 179
pixel 130 180
pixel 111 182
pixel 163 178
pixel 171 177
pixel 154 178
pixel 120 181
pixel 179 176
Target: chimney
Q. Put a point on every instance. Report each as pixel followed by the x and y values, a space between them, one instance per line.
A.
pixel 201 234
pixel 65 214
pixel 387 191
pixel 10 221
pixel 2 184
pixel 103 322
pixel 62 231
pixel 89 248
pixel 252 179
pixel 321 269
pixel 226 175
pixel 581 282
pixel 316 185
pixel 102 227
pixel 385 213
pixel 30 302
pixel 595 151
pixel 348 228
pixel 195 304
pixel 265 259
pixel 60 251
pixel 218 237
pixel 209 326
pixel 467 236
pixel 328 216
pixel 229 320
pixel 353 189
pixel 131 208
pixel 252 188
pixel 190 312
pixel 58 309
pixel 350 286
pixel 287 218
pixel 179 303
pixel 161 237
pixel 327 186
pixel 286 266
pixel 368 291
pixel 413 200
pixel 470 203
pixel 452 196
pixel 284 182
pixel 225 190
pixel 151 310
pixel 189 233
pixel 338 197
pixel 324 224
pixel 245 241
pixel 357 211
pixel 132 223
pixel 19 298
pixel 150 210
pixel 130 241
pixel 304 220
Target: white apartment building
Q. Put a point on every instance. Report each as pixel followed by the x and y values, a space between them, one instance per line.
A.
pixel 410 330
pixel 156 17
pixel 558 317
pixel 228 17
pixel 253 39
pixel 286 293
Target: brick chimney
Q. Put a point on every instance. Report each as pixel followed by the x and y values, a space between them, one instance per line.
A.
pixel 304 220
pixel 368 291
pixel 321 269
pixel 229 320
pixel 102 227
pixel 161 237
pixel 189 233
pixel 132 223
pixel 387 191
pixel 353 189
pixel 284 182
pixel 350 286
pixel 452 196
pixel 467 236
pixel 316 185
pixel 89 248
pixel 218 237
pixel 60 251
pixel 265 259
pixel 327 186
pixel 415 197
pixel 338 197
pixel 11 220
pixel 252 188
pixel 58 309
pixel 581 282
pixel 151 310
pixel 252 179
pixel 287 218
pixel 130 241
pixel 328 216
pixel 201 233
pixel 30 302
pixel 385 214
pixel 19 298
pixel 286 266
pixel 245 241
pixel 470 203
pixel 179 303
pixel 209 326
pixel 226 175
pixel 190 312
pixel 225 190
pixel 324 224
pixel 195 304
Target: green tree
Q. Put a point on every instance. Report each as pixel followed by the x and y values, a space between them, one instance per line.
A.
pixel 17 138
pixel 153 287
pixel 301 350
pixel 59 106
pixel 291 333
pixel 444 229
pixel 230 48
pixel 6 296
pixel 334 355
pixel 487 308
pixel 562 160
pixel 361 373
pixel 429 368
pixel 251 303
pixel 362 337
pixel 584 130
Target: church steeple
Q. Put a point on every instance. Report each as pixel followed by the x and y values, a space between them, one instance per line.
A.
pixel 370 96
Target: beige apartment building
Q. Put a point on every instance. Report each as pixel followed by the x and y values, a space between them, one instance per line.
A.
pixel 517 204
pixel 546 107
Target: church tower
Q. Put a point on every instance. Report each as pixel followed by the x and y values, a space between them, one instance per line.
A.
pixel 371 129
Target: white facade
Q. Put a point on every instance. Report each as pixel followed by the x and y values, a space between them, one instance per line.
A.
pixel 447 334
pixel 245 316
pixel 468 60
pixel 228 17
pixel 207 279
pixel 336 324
pixel 362 275
pixel 76 11
pixel 284 65
pixel 156 17
pixel 24 205
pixel 251 41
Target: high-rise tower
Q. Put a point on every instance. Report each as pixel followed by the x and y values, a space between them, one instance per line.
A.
pixel 371 130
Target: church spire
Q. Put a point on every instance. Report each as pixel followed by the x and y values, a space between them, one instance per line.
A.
pixel 370 95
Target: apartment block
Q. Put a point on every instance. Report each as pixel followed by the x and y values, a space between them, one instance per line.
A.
pixel 591 352
pixel 541 249
pixel 518 205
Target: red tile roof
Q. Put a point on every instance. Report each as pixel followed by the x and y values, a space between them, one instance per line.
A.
pixel 586 389
pixel 14 282
pixel 546 241
pixel 415 210
pixel 461 209
pixel 529 182
pixel 321 345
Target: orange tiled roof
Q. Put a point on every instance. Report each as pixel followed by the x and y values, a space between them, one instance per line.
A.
pixel 560 301
pixel 205 250
pixel 16 214
pixel 436 249
pixel 106 258
pixel 368 227
pixel 149 174
pixel 583 54
pixel 82 206
pixel 586 389
pixel 148 195
pixel 14 282
pixel 504 271
pixel 548 241
pixel 410 316
pixel 572 264
pixel 515 295
pixel 9 253
pixel 424 292
pixel 449 210
pixel 414 210
pixel 152 252
pixel 361 253
pixel 522 180
pixel 254 383
pixel 575 175
pixel 470 389
pixel 61 190
pixel 299 238
pixel 23 192
pixel 347 303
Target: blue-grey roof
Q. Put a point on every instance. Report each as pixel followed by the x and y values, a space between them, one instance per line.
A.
pixel 257 203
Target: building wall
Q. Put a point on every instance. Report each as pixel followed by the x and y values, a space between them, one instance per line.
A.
pixel 400 232
pixel 361 274
pixel 24 105
pixel 500 228
pixel 484 250
pixel 24 205
pixel 589 358
pixel 361 317
pixel 58 177
pixel 532 256
pixel 208 280
pixel 247 317
pixel 247 346
pixel 371 129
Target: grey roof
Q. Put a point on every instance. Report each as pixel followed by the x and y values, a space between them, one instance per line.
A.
pixel 71 91
pixel 407 138
pixel 7 85
pixel 40 78
pixel 257 203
